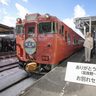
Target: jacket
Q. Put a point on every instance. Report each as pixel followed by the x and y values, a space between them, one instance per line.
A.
pixel 88 42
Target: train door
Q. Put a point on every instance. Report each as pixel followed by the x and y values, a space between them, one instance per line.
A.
pixel 67 38
pixel 68 42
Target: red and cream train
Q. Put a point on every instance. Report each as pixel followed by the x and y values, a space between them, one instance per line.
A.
pixel 42 41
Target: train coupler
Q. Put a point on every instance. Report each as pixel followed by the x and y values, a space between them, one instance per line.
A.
pixel 30 67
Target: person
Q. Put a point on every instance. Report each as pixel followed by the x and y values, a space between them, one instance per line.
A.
pixel 88 44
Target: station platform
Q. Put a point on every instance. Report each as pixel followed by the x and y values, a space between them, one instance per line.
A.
pixel 54 84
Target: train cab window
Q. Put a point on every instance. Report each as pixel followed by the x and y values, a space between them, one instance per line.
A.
pixel 45 27
pixel 19 29
pixel 31 30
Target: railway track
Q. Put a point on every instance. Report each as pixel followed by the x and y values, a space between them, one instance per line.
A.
pixel 9 63
pixel 8 66
pixel 4 55
pixel 14 79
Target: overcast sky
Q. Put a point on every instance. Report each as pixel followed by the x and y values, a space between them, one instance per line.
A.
pixel 65 10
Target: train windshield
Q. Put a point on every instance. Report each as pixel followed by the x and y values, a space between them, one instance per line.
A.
pixel 31 30
pixel 47 27
pixel 19 29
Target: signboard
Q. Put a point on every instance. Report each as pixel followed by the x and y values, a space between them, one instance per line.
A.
pixel 30 46
pixel 81 73
pixel 29 17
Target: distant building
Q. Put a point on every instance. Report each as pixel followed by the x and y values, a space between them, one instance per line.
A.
pixel 6 31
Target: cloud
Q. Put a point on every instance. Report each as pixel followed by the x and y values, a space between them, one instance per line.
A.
pixel 22 11
pixel 9 21
pixel 78 12
pixel 25 0
pixel 4 11
pixel 4 2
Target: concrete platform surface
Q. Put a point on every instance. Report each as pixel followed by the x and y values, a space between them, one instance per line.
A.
pixel 53 83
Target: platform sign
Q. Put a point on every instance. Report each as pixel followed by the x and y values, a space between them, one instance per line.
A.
pixel 83 73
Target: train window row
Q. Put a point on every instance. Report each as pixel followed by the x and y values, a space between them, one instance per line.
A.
pixel 50 27
pixel 68 37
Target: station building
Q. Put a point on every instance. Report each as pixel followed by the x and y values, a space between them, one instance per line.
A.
pixel 87 24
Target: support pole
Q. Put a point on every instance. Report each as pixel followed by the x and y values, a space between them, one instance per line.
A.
pixel 90 26
pixel 84 31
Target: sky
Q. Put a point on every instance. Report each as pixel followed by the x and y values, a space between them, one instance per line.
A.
pixel 65 10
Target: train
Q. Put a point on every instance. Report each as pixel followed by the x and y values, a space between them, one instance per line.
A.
pixel 7 43
pixel 43 41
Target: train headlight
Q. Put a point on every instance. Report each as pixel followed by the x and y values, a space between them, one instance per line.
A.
pixel 30 46
pixel 19 20
pixel 47 15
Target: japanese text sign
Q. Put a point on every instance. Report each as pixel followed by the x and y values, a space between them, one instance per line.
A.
pixel 81 73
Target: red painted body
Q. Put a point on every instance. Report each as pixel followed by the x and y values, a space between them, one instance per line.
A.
pixel 51 48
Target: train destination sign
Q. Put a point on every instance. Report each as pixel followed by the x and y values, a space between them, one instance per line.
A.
pixel 83 73
pixel 30 46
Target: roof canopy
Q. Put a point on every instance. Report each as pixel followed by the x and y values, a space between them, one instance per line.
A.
pixel 4 28
pixel 85 24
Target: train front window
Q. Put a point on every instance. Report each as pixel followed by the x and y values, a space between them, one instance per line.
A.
pixel 47 27
pixel 19 29
pixel 31 30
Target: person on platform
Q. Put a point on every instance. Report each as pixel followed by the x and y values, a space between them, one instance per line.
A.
pixel 88 44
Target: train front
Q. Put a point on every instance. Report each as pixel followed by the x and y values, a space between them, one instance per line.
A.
pixel 35 42
pixel 26 39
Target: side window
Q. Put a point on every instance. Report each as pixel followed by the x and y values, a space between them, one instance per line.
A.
pixel 56 27
pixel 53 27
pixel 19 29
pixel 80 41
pixel 65 36
pixel 75 42
pixel 61 31
pixel 68 39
